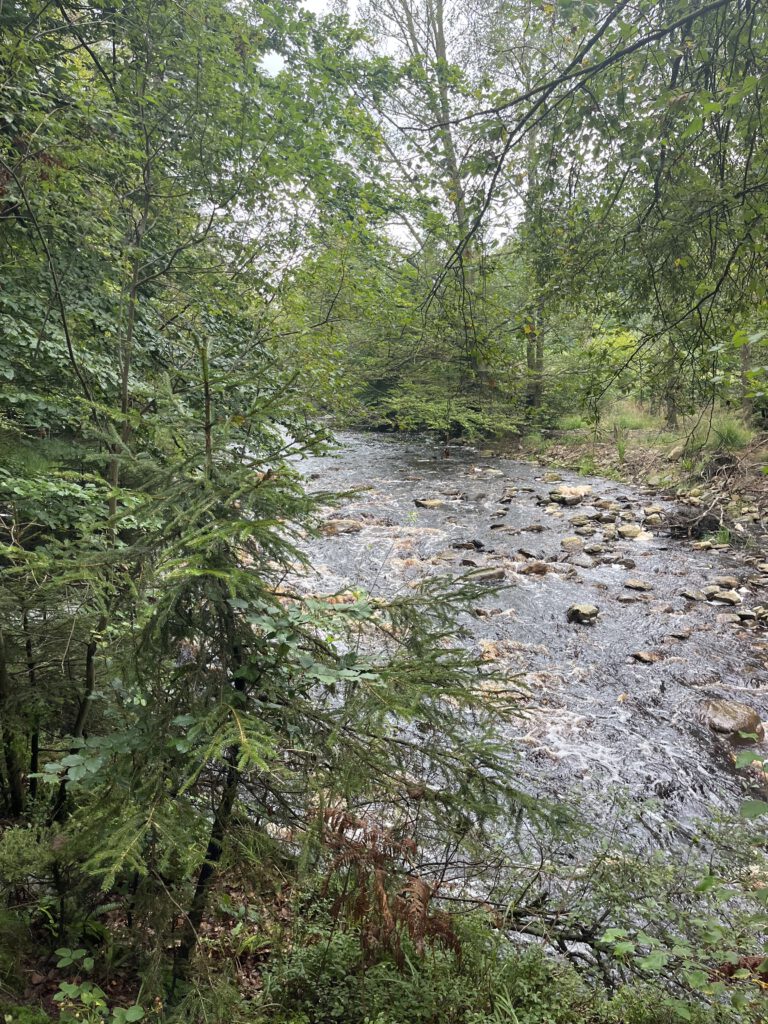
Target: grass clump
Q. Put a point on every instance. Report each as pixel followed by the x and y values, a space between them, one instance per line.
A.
pixel 627 415
pixel 572 421
pixel 723 433
pixel 729 434
pixel 535 443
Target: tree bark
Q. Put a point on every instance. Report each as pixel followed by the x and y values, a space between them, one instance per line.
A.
pixel 7 734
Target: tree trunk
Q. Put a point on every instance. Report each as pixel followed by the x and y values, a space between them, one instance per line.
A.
pixel 222 815
pixel 747 404
pixel 34 755
pixel 7 735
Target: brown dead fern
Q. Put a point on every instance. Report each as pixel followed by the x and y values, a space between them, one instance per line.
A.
pixel 370 863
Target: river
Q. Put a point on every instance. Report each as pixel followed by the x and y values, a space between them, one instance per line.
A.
pixel 599 721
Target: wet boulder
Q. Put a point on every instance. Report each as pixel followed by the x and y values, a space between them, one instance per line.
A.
pixel 567 495
pixel 585 614
pixel 630 531
pixel 647 657
pixel 332 527
pixel 728 619
pixel 535 569
pixel 487 575
pixel 571 543
pixel 726 582
pixel 730 717
pixel 747 614
pixel 633 584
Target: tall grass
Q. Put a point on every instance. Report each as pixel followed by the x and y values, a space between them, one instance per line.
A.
pixel 630 415
pixel 726 433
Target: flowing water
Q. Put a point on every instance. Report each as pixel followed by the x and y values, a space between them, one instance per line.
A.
pixel 599 720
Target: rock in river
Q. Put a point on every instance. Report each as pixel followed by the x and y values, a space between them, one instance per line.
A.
pixel 730 716
pixel 647 657
pixel 630 531
pixel 334 526
pixel 637 585
pixel 583 613
pixel 571 543
pixel 486 576
pixel 726 582
pixel 570 495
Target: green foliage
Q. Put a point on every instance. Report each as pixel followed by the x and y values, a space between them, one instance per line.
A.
pixel 417 406
pixel 198 255
pixel 728 434
pixel 24 1015
pixel 572 421
pixel 324 977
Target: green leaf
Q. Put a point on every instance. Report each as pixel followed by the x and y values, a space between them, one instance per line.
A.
pixel 753 808
pixel 654 961
pixel 707 883
pixel 747 757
